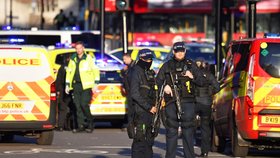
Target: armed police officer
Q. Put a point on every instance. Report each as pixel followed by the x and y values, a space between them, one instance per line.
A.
pixel 204 99
pixel 142 92
pixel 180 75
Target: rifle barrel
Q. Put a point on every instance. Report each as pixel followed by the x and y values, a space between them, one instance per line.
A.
pixel 177 97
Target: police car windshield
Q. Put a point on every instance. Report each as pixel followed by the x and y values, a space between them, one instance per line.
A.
pixel 109 68
pixel 195 51
pixel 199 51
pixel 119 54
pixel 270 59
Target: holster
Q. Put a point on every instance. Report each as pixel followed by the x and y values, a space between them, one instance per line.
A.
pixel 131 129
pixel 140 132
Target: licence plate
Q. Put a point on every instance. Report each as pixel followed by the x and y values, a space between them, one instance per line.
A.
pixel 270 119
pixel 11 105
pixel 111 97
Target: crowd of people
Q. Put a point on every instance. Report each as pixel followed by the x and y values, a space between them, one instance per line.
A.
pixel 188 88
pixel 61 20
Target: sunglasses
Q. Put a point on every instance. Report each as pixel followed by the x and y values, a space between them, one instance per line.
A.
pixel 179 51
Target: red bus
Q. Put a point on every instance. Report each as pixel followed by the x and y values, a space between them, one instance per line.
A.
pixel 166 20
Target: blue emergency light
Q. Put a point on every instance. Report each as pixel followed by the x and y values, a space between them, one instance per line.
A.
pixel 271 35
pixel 16 40
pixel 63 45
pixel 148 43
pixel 6 27
pixel 71 28
pixel 75 28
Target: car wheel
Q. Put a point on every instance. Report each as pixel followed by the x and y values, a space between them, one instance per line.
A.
pixel 45 138
pixel 214 139
pixel 217 143
pixel 237 150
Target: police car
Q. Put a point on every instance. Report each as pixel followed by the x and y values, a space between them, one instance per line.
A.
pixel 108 102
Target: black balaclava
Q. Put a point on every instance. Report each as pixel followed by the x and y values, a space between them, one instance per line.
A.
pixel 144 65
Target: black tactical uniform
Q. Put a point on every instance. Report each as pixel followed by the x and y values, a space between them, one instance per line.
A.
pixel 64 100
pixel 204 98
pixel 143 99
pixel 186 93
pixel 126 75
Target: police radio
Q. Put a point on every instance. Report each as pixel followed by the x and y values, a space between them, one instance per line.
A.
pixel 150 74
pixel 188 84
pixel 187 67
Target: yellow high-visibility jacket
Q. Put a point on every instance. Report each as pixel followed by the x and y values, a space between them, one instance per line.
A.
pixel 89 72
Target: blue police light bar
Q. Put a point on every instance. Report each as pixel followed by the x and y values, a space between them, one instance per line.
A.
pixel 71 28
pixel 16 40
pixel 75 28
pixel 58 45
pixel 63 45
pixel 6 27
pixel 148 43
pixel 271 35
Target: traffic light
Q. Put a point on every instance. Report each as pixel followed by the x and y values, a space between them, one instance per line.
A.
pixel 122 5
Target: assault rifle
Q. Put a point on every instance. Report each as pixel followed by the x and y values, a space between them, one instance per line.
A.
pixel 156 116
pixel 177 97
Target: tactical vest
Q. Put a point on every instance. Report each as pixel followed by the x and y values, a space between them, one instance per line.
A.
pixel 206 90
pixel 147 87
pixel 183 83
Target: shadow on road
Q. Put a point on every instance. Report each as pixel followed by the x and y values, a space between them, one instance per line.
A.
pixel 19 139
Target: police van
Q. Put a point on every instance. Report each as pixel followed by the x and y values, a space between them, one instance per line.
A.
pixel 27 93
pixel 50 38
pixel 247 108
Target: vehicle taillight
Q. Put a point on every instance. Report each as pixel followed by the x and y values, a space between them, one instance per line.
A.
pixel 249 101
pixel 53 92
pixel 250 82
pixel 123 91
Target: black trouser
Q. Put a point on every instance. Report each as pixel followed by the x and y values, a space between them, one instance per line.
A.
pixel 131 110
pixel 143 141
pixel 187 124
pixel 130 113
pixel 82 100
pixel 204 111
pixel 63 108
